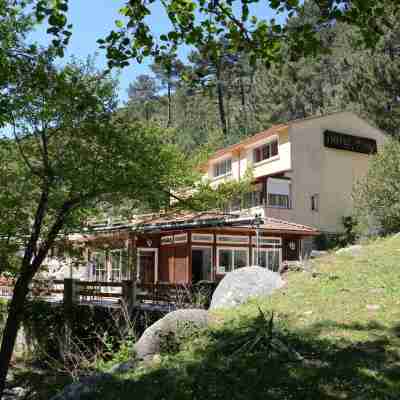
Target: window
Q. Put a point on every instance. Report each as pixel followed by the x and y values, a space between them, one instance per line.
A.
pixel 315 202
pixel 278 200
pixel 278 193
pixel 119 265
pixel 229 259
pixel 223 168
pixel 202 237
pixel 181 238
pixel 267 241
pixel 99 271
pixel 267 258
pixel 232 239
pixel 265 151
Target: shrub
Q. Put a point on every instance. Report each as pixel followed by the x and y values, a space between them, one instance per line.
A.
pixel 377 196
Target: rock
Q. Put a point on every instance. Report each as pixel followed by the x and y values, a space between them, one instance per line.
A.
pixel 239 286
pixel 317 253
pixel 169 326
pixel 15 393
pixel 354 250
pixel 373 307
pixel 124 367
pixel 80 389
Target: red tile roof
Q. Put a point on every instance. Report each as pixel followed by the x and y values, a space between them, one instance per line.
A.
pixel 270 224
pixel 278 225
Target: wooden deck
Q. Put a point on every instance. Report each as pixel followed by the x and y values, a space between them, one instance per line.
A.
pixel 158 296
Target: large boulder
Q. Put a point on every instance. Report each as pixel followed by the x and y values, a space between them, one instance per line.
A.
pixel 318 253
pixel 240 285
pixel 173 324
pixel 354 250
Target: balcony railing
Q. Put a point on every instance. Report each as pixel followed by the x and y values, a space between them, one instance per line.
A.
pixel 258 199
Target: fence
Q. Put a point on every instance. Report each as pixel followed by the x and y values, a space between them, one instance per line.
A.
pixel 72 291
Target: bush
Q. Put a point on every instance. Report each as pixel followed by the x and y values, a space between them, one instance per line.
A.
pixel 377 196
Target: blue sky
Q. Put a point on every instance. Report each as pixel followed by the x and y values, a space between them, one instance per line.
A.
pixel 94 19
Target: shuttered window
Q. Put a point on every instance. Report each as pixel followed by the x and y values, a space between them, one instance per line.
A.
pixel 222 168
pixel 265 151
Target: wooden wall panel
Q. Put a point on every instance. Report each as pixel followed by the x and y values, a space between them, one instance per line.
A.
pixel 181 270
pixel 166 255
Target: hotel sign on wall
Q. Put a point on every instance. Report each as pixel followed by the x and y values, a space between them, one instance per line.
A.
pixel 341 141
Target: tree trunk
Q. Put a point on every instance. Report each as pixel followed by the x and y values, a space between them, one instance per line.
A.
pixel 169 106
pixel 29 268
pixel 221 106
pixel 13 323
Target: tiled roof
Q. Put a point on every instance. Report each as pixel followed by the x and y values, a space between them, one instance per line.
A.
pixel 270 224
pixel 183 217
pixel 248 141
pixel 278 225
pixel 207 219
pixel 273 130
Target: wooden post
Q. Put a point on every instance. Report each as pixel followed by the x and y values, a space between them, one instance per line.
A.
pixel 129 293
pixel 134 272
pixel 71 292
pixel 132 256
pixel 70 299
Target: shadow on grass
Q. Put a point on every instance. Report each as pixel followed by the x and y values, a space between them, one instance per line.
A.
pixel 238 362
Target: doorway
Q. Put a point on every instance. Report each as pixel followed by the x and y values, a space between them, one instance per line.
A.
pixel 201 264
pixel 147 264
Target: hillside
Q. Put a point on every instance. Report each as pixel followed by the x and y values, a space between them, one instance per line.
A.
pixel 336 335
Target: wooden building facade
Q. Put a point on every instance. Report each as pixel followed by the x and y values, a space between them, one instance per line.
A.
pixel 192 248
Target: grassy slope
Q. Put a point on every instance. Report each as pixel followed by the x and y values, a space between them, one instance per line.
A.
pixel 345 322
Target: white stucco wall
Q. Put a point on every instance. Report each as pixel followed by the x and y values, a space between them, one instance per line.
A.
pixel 313 168
pixel 327 172
pixel 243 159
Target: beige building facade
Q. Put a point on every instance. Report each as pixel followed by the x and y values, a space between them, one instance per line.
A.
pixel 304 171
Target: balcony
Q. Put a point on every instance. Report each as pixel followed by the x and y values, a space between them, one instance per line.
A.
pixel 259 199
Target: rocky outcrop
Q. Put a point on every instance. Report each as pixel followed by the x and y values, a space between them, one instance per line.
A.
pixel 169 328
pixel 239 286
pixel 236 288
pixel 171 325
pixel 354 250
pixel 318 253
pixel 81 389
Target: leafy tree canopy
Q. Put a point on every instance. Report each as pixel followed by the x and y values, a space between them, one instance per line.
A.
pixel 202 23
pixel 377 196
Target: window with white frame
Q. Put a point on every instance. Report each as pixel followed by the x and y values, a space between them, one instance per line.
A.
pixel 266 151
pixel 278 193
pixel 234 239
pixel 119 265
pixel 229 259
pixel 202 237
pixel 222 168
pixel 181 238
pixel 278 200
pixel 267 258
pixel 99 265
pixel 267 241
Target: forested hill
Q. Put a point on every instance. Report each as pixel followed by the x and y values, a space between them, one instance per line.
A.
pixel 209 102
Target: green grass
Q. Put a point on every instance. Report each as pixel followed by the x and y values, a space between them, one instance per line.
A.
pixel 344 321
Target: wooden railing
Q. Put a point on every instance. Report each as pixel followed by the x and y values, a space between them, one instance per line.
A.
pixel 72 291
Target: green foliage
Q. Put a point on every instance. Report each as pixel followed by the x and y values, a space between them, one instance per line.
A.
pixel 347 237
pixel 330 345
pixel 80 154
pixel 206 197
pixel 210 111
pixel 377 196
pixel 210 23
